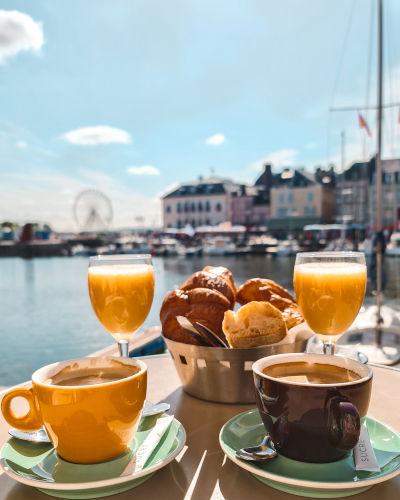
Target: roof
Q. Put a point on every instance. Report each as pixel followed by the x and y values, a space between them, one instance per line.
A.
pixel 210 186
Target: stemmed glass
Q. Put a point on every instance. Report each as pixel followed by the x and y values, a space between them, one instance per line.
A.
pixel 330 289
pixel 121 289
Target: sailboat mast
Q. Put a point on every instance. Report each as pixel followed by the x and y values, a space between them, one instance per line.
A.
pixel 378 154
pixel 378 331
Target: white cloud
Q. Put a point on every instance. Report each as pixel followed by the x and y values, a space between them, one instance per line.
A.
pixel 92 136
pixel 143 170
pixel 51 199
pixel 21 144
pixel 279 158
pixel 18 32
pixel 216 140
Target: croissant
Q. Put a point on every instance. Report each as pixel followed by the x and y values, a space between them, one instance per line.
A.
pixel 222 272
pixel 258 289
pixel 203 279
pixel 290 311
pixel 201 304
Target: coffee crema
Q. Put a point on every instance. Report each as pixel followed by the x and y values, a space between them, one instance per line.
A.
pixel 71 376
pixel 311 373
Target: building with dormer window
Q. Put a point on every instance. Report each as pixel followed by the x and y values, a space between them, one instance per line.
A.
pixel 198 203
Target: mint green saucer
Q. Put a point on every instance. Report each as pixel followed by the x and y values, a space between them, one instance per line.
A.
pixel 39 465
pixel 335 480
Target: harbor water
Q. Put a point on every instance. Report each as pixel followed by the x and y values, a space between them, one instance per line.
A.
pixel 46 315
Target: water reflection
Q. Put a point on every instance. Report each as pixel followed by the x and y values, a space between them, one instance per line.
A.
pixel 46 310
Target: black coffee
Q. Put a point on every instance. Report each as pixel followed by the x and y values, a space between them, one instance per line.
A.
pixel 311 373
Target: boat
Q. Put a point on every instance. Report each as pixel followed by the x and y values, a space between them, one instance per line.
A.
pixel 287 248
pixel 221 245
pixel 166 247
pixel 393 247
pixel 260 244
pixel 193 251
pixel 136 246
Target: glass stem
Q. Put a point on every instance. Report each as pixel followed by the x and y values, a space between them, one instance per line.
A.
pixel 123 348
pixel 329 348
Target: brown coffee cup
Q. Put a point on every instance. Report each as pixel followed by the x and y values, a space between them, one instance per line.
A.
pixel 316 423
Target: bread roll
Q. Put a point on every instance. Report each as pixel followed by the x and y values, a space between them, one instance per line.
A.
pixel 254 324
pixel 258 289
pixel 204 279
pixel 290 311
pixel 201 304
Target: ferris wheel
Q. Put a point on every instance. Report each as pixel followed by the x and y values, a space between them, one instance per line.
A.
pixel 93 211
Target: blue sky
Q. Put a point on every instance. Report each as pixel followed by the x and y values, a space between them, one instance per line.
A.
pixel 155 80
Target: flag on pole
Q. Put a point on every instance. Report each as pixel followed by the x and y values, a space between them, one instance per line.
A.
pixel 363 124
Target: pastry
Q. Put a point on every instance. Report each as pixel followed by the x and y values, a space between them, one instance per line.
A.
pixel 200 304
pixel 290 311
pixel 258 289
pixel 203 279
pixel 254 324
pixel 223 272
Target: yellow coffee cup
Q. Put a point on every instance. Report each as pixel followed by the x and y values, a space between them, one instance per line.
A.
pixel 86 423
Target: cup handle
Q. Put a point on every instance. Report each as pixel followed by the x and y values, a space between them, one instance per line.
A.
pixel 32 421
pixel 343 424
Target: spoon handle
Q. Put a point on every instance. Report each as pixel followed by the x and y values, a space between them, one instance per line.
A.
pixel 211 335
pixel 191 330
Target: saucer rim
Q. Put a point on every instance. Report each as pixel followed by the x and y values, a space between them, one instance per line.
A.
pixel 300 482
pixel 93 484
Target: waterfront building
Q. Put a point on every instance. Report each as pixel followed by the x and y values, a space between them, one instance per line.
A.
pixel 198 203
pixel 356 193
pixel 250 205
pixel 298 198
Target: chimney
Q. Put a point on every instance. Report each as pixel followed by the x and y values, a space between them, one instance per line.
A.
pixel 267 176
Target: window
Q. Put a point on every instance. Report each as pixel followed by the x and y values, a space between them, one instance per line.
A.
pixel 179 208
pixel 179 224
pixel 281 212
pixel 397 177
pixel 218 207
pixel 200 222
pixel 193 206
pixel 387 178
pixel 290 198
pixel 309 211
pixel 168 209
pixel 208 206
pixel 200 206
pixel 193 223
pixel 208 222
pixel 169 225
pixel 281 198
pixel 187 206
pixel 310 197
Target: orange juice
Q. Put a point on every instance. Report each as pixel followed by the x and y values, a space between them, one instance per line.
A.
pixel 121 297
pixel 330 295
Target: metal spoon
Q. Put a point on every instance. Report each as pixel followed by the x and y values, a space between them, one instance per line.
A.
pixel 40 436
pixel 264 451
pixel 187 325
pixel 212 336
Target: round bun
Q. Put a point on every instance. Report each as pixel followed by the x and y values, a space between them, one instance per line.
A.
pixel 200 304
pixel 258 289
pixel 211 281
pixel 254 324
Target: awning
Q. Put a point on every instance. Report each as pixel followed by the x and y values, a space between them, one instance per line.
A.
pixel 325 227
pixel 291 223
